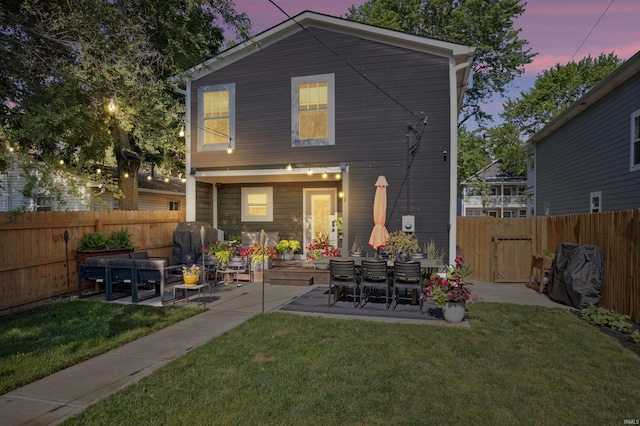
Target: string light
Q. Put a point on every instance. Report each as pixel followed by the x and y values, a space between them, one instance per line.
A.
pixel 112 105
pixel 149 177
pixel 181 132
pixel 340 194
pixel 229 149
pixel 98 170
pixel 61 162
pixel 324 175
pixel 126 175
pixel 310 172
pixel 289 168
pixel 338 176
pixel 166 180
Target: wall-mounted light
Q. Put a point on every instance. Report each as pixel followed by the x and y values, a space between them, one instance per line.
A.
pixel 181 132
pixel 444 155
pixel 229 149
pixel 340 194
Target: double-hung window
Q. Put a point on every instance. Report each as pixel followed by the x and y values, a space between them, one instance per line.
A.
pixel 635 140
pixel 216 117
pixel 313 110
pixel 257 204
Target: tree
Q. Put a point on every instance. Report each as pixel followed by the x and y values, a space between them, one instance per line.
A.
pixel 68 60
pixel 472 154
pixel 554 90
pixel 486 24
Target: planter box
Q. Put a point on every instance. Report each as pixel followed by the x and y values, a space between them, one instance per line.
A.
pixel 83 255
pixel 268 264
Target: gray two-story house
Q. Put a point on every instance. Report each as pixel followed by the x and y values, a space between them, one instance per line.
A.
pixel 289 132
pixel 587 159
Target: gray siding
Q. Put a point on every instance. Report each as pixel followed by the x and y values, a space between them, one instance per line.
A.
pixel 370 123
pixel 204 202
pixel 591 153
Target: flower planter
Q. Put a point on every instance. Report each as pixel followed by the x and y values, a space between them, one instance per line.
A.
pixel 268 264
pixel 190 279
pixel 83 255
pixel 287 255
pixel 454 311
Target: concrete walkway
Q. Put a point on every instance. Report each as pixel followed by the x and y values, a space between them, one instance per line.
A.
pixel 53 399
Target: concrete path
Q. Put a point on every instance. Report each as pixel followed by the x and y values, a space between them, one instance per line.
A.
pixel 53 399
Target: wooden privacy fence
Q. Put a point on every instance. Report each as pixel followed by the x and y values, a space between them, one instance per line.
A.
pixel 497 248
pixel 33 252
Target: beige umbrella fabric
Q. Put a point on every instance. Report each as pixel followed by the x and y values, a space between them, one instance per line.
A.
pixel 379 235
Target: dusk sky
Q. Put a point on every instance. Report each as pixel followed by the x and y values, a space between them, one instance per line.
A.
pixel 556 29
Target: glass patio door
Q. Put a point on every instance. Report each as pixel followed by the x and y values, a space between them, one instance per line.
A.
pixel 319 209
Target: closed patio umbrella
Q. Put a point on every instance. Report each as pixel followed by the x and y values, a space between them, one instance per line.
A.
pixel 379 235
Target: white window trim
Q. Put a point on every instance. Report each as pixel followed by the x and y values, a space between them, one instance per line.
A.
pixel 592 196
pixel 245 192
pixel 633 167
pixel 331 110
pixel 231 88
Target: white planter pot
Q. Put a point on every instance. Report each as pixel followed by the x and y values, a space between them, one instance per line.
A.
pixel 454 311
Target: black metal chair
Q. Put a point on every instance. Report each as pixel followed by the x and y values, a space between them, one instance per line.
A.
pixel 373 277
pixel 342 273
pixel 406 276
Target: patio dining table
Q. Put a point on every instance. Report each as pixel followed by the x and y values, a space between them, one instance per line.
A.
pixel 427 266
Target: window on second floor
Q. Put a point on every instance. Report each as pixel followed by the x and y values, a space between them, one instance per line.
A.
pixel 635 140
pixel 216 117
pixel 313 110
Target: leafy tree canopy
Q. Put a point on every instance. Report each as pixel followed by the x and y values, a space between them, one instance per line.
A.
pixel 554 90
pixel 485 24
pixel 66 60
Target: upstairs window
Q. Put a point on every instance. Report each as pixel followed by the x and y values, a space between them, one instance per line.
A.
pixel 313 110
pixel 216 117
pixel 635 140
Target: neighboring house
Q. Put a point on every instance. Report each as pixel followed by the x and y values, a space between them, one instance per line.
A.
pixel 587 159
pixel 491 192
pixel 312 111
pixel 154 193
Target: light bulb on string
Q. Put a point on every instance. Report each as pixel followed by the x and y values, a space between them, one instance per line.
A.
pixel 181 132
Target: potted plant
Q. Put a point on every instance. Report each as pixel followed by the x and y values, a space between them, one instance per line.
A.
pixel 356 247
pixel 402 246
pixel 321 247
pixel 99 244
pixel 450 292
pixel 287 247
pixel 191 274
pixel 260 255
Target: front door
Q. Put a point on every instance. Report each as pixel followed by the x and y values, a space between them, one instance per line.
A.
pixel 319 210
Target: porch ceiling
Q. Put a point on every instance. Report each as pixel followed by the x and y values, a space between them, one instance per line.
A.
pixel 269 175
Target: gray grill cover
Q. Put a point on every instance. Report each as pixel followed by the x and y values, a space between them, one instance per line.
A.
pixel 576 275
pixel 187 246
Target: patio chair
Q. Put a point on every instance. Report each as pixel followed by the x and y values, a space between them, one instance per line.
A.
pixel 406 276
pixel 342 274
pixel 373 277
pixel 235 267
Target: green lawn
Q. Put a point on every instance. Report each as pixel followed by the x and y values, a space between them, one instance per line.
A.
pixel 46 339
pixel 515 365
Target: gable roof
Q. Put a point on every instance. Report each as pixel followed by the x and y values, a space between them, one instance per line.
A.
pixel 493 174
pixel 617 77
pixel 460 56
